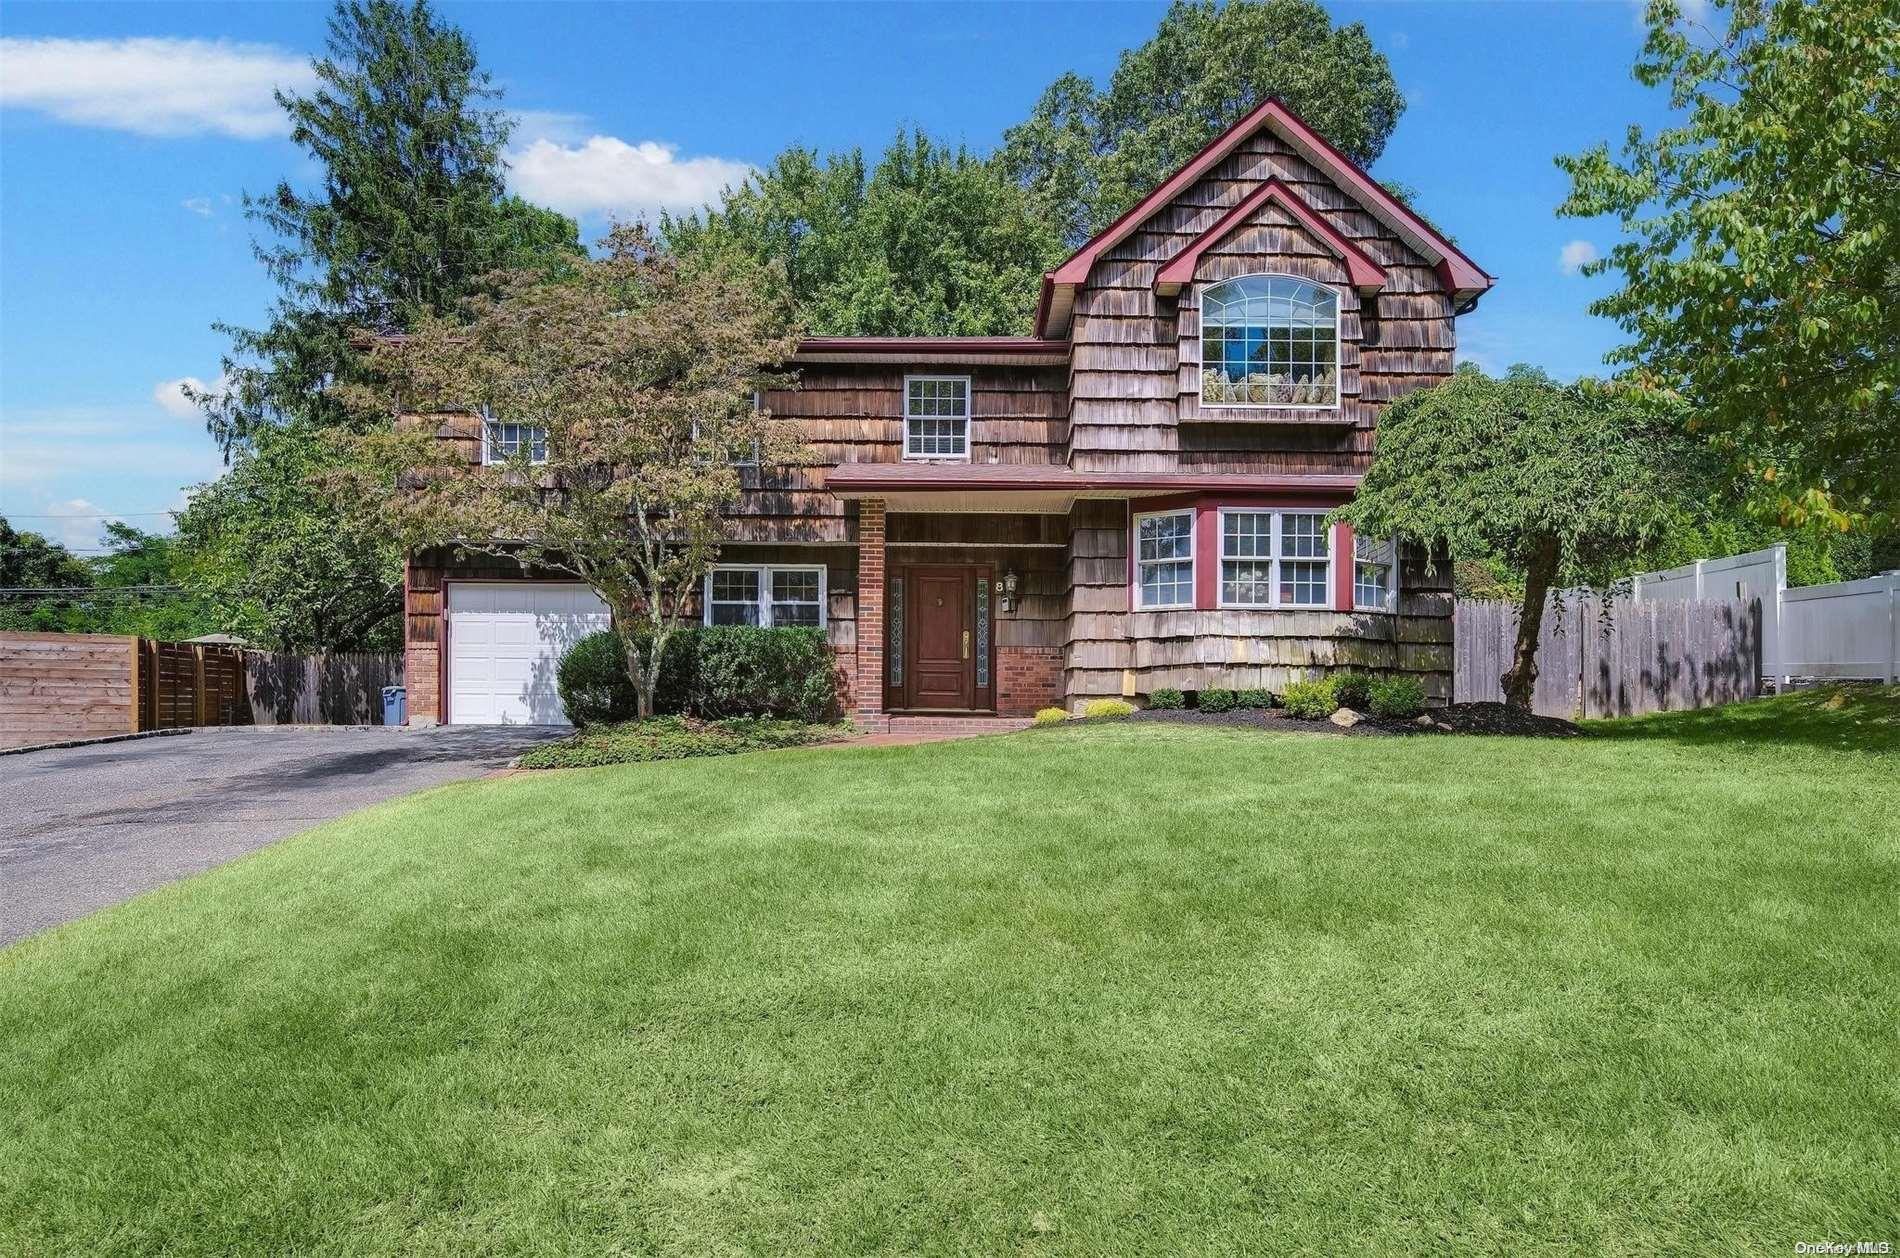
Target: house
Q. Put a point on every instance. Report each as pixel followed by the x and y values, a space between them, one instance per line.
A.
pixel 1132 498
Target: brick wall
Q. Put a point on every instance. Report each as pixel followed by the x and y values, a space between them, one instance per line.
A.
pixel 1028 678
pixel 870 679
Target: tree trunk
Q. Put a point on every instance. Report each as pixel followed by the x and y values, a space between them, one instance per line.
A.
pixel 1521 680
pixel 646 677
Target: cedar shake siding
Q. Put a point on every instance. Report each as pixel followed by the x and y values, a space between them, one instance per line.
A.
pixel 1073 432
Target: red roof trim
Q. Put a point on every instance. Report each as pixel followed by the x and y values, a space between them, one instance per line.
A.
pixel 1366 275
pixel 924 476
pixel 1458 272
pixel 900 345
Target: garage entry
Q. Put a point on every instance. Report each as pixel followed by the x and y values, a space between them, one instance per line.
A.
pixel 505 639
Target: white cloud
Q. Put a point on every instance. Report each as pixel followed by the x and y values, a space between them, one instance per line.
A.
pixel 1573 257
pixel 170 395
pixel 604 174
pixel 198 205
pixel 156 87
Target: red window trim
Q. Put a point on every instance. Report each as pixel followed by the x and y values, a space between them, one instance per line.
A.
pixel 1207 509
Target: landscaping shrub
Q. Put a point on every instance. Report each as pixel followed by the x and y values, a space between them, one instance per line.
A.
pixel 1397 697
pixel 1167 699
pixel 593 683
pixel 1051 716
pixel 1107 707
pixel 675 738
pixel 1254 699
pixel 1310 700
pixel 1218 700
pixel 744 671
pixel 1352 690
pixel 596 689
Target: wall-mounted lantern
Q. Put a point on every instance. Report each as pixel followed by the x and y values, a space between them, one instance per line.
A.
pixel 1009 590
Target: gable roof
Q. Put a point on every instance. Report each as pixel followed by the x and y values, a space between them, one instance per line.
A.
pixel 1464 279
pixel 1367 276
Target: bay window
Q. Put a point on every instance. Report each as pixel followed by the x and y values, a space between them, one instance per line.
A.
pixel 1375 574
pixel 1275 559
pixel 1164 559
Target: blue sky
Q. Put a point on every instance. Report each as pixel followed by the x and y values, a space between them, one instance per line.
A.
pixel 128 132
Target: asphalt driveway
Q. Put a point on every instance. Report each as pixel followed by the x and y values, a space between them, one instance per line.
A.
pixel 85 827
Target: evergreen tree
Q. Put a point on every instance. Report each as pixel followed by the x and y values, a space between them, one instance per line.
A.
pixel 411 212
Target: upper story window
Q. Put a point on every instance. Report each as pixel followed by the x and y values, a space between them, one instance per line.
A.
pixel 1269 340
pixel 1164 560
pixel 503 441
pixel 1274 559
pixel 936 417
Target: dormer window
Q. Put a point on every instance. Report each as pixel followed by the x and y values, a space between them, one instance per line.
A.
pixel 1269 340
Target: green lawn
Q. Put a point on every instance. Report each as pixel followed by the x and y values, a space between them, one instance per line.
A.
pixel 1094 989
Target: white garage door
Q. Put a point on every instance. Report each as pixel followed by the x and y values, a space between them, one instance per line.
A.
pixel 504 642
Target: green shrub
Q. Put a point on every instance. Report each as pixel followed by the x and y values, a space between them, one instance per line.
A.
pixel 1167 699
pixel 1051 716
pixel 1310 700
pixel 1218 700
pixel 1402 697
pixel 1254 699
pixel 1352 690
pixel 675 738
pixel 740 670
pixel 1107 707
pixel 593 683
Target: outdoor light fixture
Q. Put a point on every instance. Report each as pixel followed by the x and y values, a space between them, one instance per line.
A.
pixel 1009 590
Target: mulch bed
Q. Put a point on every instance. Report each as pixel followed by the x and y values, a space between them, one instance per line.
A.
pixel 1459 718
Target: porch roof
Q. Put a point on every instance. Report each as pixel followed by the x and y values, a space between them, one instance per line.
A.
pixel 1044 489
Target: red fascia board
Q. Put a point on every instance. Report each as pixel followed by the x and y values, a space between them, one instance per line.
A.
pixel 862 476
pixel 1464 273
pixel 1366 275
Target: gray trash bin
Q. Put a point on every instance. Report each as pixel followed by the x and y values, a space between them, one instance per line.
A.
pixel 395 705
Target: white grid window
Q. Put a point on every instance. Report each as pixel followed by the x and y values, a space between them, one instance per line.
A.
pixel 1274 559
pixel 732 596
pixel 796 596
pixel 761 594
pixel 1269 340
pixel 936 417
pixel 503 441
pixel 1375 585
pixel 1164 559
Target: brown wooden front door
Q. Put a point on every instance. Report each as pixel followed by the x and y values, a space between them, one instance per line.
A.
pixel 942 641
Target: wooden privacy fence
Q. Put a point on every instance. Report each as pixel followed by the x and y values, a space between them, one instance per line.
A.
pixel 187 684
pixel 60 686
pixel 338 689
pixel 1614 659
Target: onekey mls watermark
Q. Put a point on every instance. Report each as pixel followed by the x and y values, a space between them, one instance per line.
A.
pixel 1843 1247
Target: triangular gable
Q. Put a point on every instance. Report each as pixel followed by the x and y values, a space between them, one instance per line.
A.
pixel 1462 277
pixel 1366 275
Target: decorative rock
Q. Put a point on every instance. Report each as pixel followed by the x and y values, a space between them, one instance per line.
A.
pixel 1425 719
pixel 1345 718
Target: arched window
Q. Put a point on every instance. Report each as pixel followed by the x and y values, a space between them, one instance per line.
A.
pixel 1269 340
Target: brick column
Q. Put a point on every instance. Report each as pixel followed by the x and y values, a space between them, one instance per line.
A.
pixel 870 679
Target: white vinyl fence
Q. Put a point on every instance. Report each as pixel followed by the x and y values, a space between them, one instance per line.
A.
pixel 1848 631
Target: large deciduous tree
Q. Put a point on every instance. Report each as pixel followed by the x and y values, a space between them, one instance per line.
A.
pixel 640 374
pixel 1086 154
pixel 1761 276
pixel 1545 477
pixel 930 241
